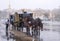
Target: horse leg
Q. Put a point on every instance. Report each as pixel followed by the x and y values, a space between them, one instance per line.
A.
pixel 31 31
pixel 12 27
pixel 21 28
pixel 33 34
pixel 41 27
pixel 22 25
pixel 38 33
pixel 28 31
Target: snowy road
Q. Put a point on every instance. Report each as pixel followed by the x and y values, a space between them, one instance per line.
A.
pixel 46 35
pixel 50 36
pixel 2 33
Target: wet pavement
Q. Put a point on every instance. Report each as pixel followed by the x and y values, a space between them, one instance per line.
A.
pixel 50 33
pixel 2 33
pixel 50 36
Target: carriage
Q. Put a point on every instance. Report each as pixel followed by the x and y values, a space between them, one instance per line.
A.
pixel 17 19
pixel 25 19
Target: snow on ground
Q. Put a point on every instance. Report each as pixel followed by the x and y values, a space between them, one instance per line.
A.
pixel 50 36
pixel 2 31
pixel 46 35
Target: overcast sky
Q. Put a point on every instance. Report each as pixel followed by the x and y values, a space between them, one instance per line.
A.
pixel 30 4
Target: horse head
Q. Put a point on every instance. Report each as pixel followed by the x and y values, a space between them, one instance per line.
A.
pixel 39 23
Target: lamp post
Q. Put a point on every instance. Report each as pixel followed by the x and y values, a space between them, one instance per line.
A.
pixel 9 10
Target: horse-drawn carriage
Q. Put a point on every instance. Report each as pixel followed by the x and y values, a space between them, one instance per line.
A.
pixel 19 21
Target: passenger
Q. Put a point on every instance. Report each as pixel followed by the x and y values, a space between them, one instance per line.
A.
pixel 7 25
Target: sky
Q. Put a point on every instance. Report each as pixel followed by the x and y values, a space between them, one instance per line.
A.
pixel 30 4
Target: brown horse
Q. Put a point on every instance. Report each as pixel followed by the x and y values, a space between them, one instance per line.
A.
pixel 27 23
pixel 35 24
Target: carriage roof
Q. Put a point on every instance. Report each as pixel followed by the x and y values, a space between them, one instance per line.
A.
pixel 25 13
